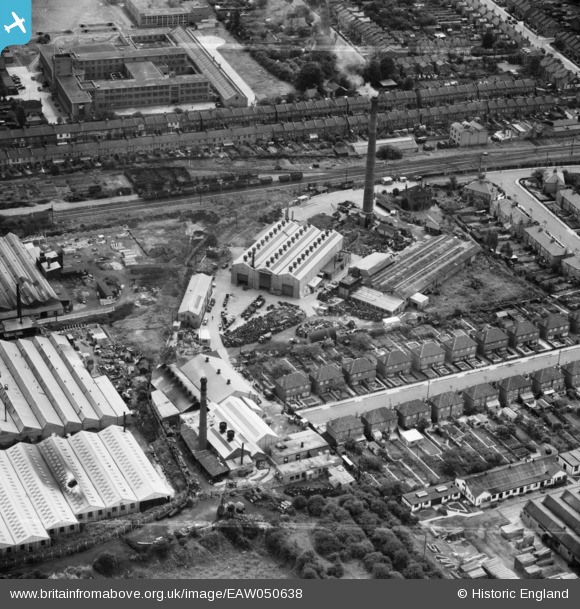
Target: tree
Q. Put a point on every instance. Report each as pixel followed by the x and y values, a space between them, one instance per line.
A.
pixel 372 72
pixel 487 40
pixel 389 153
pixel 388 67
pixel 408 84
pixel 21 115
pixel 422 424
pixel 538 175
pixel 281 368
pixel 310 76
pixel 316 504
pixel 106 564
pixel 380 571
pixel 503 432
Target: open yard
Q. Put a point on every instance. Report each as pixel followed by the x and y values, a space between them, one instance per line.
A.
pixel 485 283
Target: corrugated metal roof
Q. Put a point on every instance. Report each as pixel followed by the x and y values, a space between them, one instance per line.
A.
pixel 197 290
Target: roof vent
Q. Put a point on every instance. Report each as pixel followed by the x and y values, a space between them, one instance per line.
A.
pixel 229 382
pixel 207 360
pixel 219 370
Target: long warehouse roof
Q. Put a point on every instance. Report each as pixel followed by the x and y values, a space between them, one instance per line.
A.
pixel 140 474
pixel 17 266
pixel 45 389
pixel 41 486
pixel 16 510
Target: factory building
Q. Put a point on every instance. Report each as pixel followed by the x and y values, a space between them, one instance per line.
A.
pixel 286 258
pixel 152 69
pixel 195 300
pixel 430 263
pixel 161 13
pixel 25 291
pixel 47 390
pixel 49 489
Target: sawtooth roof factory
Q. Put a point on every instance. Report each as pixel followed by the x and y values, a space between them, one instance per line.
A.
pixel 24 289
pixel 49 489
pixel 46 389
pixel 286 257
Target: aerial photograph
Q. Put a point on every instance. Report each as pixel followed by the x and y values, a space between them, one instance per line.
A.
pixel 290 289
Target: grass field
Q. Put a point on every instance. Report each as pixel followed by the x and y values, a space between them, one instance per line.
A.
pixel 57 16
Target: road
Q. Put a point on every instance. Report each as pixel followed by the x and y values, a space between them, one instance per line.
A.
pixel 320 415
pixel 551 223
pixel 450 163
pixel 536 41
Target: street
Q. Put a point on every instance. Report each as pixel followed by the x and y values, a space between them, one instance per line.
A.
pixel 320 415
pixel 508 180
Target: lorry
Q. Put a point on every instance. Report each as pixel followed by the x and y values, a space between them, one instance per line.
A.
pixel 386 180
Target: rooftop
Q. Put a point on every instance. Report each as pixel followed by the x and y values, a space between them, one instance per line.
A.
pixel 197 290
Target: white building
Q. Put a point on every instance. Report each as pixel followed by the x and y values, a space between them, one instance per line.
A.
pixel 46 389
pixel 49 489
pixel 195 300
pixel 285 258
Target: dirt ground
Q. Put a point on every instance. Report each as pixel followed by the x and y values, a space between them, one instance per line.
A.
pixel 264 84
pixel 60 15
pixel 485 282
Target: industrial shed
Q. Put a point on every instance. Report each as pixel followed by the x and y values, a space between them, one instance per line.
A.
pixel 49 489
pixel 47 390
pixel 195 300
pixel 285 258
pixel 22 528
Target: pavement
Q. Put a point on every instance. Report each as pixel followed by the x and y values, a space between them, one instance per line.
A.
pixel 32 92
pixel 320 415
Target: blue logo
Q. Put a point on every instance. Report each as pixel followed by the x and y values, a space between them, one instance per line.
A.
pixel 15 22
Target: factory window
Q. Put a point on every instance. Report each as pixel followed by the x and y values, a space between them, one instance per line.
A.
pixel 90 515
pixel 285 459
pixel 123 508
pixel 61 530
pixel 297 457
pixel 132 505
pixel 72 527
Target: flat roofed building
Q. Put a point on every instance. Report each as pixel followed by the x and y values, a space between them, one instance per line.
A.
pixel 306 469
pixel 297 446
pixel 42 489
pixel 16 510
pixel 570 461
pixel 432 496
pixel 162 13
pixel 195 300
pixel 105 475
pixel 285 258
pixel 147 485
pixel 17 266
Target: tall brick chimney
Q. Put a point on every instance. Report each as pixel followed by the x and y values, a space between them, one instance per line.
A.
pixel 203 415
pixel 369 193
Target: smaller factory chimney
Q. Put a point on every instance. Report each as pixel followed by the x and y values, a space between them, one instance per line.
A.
pixel 242 455
pixel 203 414
pixel 18 302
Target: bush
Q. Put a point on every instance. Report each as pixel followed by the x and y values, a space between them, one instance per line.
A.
pixel 213 541
pixel 335 570
pixel 372 559
pixel 316 504
pixel 361 549
pixel 299 502
pixel 106 564
pixel 325 542
pixel 309 572
pixel 381 571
